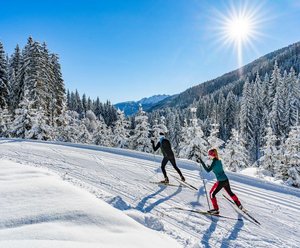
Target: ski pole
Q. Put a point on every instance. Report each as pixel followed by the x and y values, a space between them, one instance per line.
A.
pixel 204 184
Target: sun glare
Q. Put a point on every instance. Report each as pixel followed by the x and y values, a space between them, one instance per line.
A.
pixel 238 28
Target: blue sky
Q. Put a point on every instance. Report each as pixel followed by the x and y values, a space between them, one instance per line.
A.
pixel 124 50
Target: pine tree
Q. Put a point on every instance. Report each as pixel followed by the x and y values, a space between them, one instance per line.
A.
pixel 90 121
pixel 270 159
pixel 280 108
pixel 258 107
pixel 213 139
pixel 103 134
pixel 5 123
pixel 23 119
pixel 140 140
pixel 273 84
pixel 159 127
pixel 78 104
pixel 176 134
pixel 60 104
pixel 14 70
pixel 121 131
pixel 68 132
pixel 230 114
pixel 235 155
pixel 193 145
pixel 89 104
pixel 39 129
pixel 247 118
pixel 84 103
pixel 290 168
pixel 294 96
pixel 3 79
pixel 220 114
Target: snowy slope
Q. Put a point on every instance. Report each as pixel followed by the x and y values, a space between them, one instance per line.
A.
pixel 38 209
pixel 121 178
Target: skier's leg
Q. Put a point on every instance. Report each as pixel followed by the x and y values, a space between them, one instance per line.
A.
pixel 163 167
pixel 231 194
pixel 214 190
pixel 173 162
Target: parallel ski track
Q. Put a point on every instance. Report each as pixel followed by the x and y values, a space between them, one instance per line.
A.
pixel 190 229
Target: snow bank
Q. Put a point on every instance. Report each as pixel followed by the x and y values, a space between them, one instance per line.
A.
pixel 38 209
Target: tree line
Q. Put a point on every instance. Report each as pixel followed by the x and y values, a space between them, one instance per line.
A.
pixel 258 127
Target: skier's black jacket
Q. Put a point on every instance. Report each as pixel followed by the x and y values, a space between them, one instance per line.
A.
pixel 165 147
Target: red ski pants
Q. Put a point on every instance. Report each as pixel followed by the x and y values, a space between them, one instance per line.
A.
pixel 217 187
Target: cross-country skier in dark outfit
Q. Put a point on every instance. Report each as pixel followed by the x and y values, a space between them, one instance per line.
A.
pixel 165 146
pixel 222 181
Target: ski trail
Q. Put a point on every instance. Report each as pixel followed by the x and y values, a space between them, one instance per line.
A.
pixel 126 175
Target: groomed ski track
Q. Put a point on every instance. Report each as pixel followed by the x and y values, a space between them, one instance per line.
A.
pixel 121 178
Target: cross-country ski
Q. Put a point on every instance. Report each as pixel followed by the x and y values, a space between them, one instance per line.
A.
pixel 207 213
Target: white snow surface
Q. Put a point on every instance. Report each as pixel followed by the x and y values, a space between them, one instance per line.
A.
pixel 72 195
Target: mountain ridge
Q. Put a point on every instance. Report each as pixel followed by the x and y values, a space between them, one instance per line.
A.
pixel 286 58
pixel 131 107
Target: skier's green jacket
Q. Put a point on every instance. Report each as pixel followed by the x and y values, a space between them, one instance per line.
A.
pixel 217 168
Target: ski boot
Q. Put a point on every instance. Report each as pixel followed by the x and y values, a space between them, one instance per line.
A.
pixel 182 178
pixel 166 181
pixel 213 211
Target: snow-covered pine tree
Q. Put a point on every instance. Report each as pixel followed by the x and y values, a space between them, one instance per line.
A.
pixel 140 140
pixel 213 139
pixel 273 84
pixel 289 170
pixel 176 134
pixel 270 158
pixel 84 103
pixel 34 76
pixel 103 134
pixel 220 114
pixel 247 118
pixel 23 119
pixel 68 132
pixel 258 114
pixel 14 68
pixel 192 145
pixel 90 121
pixel 230 114
pixel 294 96
pixel 3 79
pixel 78 103
pixel 159 127
pixel 280 109
pixel 83 135
pixel 5 123
pixel 89 104
pixel 235 155
pixel 59 104
pixel 121 131
pixel 39 129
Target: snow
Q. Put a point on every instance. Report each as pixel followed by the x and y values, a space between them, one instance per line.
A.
pixel 72 195
pixel 38 209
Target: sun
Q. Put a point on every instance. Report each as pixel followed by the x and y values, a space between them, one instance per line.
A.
pixel 238 27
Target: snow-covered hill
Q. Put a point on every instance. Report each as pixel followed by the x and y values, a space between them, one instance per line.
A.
pixel 40 207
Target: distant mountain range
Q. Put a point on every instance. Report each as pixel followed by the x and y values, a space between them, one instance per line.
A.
pixel 286 58
pixel 131 107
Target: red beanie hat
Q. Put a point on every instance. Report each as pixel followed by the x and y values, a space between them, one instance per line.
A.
pixel 213 153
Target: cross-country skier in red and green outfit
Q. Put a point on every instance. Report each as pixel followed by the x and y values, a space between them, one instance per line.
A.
pixel 222 181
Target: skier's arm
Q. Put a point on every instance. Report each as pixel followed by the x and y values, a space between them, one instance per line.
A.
pixel 155 147
pixel 208 169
